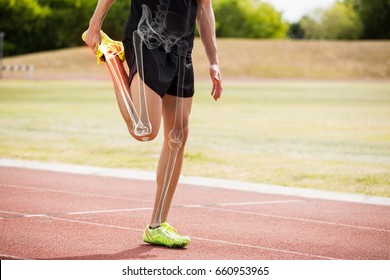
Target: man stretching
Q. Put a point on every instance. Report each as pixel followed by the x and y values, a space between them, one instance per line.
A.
pixel 157 44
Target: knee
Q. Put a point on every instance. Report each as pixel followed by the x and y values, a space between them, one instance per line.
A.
pixel 144 138
pixel 179 135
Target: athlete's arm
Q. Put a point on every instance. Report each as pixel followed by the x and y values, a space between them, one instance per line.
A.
pixel 206 26
pixel 93 37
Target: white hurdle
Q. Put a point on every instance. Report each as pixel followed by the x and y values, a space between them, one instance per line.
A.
pixel 20 68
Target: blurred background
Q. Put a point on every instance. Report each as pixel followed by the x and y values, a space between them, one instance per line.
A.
pixel 274 38
pixel 306 100
pixel 37 25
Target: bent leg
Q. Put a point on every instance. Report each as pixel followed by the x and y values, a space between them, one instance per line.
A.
pixel 134 109
pixel 130 103
pixel 153 102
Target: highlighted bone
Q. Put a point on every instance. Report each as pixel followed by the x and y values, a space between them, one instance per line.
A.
pixel 141 127
pixel 144 125
pixel 113 53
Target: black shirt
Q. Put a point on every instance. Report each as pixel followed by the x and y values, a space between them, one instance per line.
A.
pixel 174 19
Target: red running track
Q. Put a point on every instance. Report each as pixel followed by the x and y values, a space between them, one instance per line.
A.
pixel 55 215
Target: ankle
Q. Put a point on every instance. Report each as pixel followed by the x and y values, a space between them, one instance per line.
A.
pixel 154 226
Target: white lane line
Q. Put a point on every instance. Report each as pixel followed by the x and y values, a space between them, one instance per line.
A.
pixel 110 211
pixel 206 207
pixel 199 238
pixel 260 202
pixel 203 239
pixel 297 219
pixel 24 215
pixel 196 238
pixel 13 213
pixel 12 257
pixel 75 213
pixel 34 215
pixel 264 248
pixel 213 208
pixel 151 208
pixel 192 206
pixel 74 193
pixel 95 224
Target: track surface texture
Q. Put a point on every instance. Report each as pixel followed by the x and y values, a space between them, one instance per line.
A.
pixel 58 215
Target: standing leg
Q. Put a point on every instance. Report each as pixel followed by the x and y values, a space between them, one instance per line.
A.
pixel 170 164
pixel 169 104
pixel 175 112
pixel 176 132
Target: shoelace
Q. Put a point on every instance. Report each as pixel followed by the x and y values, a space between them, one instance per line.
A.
pixel 169 227
pixel 171 238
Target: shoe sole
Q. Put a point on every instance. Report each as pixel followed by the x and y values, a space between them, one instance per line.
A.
pixel 165 245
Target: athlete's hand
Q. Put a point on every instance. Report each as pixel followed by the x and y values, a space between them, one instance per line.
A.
pixel 215 75
pixel 92 38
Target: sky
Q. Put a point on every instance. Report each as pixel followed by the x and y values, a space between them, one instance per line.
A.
pixel 293 10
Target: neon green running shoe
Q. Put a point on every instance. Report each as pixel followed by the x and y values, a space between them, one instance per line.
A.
pixel 108 48
pixel 162 236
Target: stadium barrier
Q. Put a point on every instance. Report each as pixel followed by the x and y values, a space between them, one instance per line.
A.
pixel 20 68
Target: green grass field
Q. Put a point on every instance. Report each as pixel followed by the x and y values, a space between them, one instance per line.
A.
pixel 323 135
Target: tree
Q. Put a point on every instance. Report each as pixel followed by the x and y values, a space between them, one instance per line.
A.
pixel 339 22
pixel 375 15
pixel 67 21
pixel 267 22
pixel 342 22
pixel 116 18
pixel 247 18
pixel 296 31
pixel 37 25
pixel 21 20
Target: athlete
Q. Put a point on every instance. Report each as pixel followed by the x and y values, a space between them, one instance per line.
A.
pixel 157 44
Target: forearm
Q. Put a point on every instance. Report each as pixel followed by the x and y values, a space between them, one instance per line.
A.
pixel 98 16
pixel 206 26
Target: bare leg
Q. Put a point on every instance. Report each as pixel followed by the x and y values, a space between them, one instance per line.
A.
pixel 169 104
pixel 130 102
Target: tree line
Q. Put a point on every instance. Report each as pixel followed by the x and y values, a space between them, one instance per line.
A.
pixel 346 20
pixel 37 25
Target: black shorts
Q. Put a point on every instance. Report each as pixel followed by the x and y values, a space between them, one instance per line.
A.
pixel 161 70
